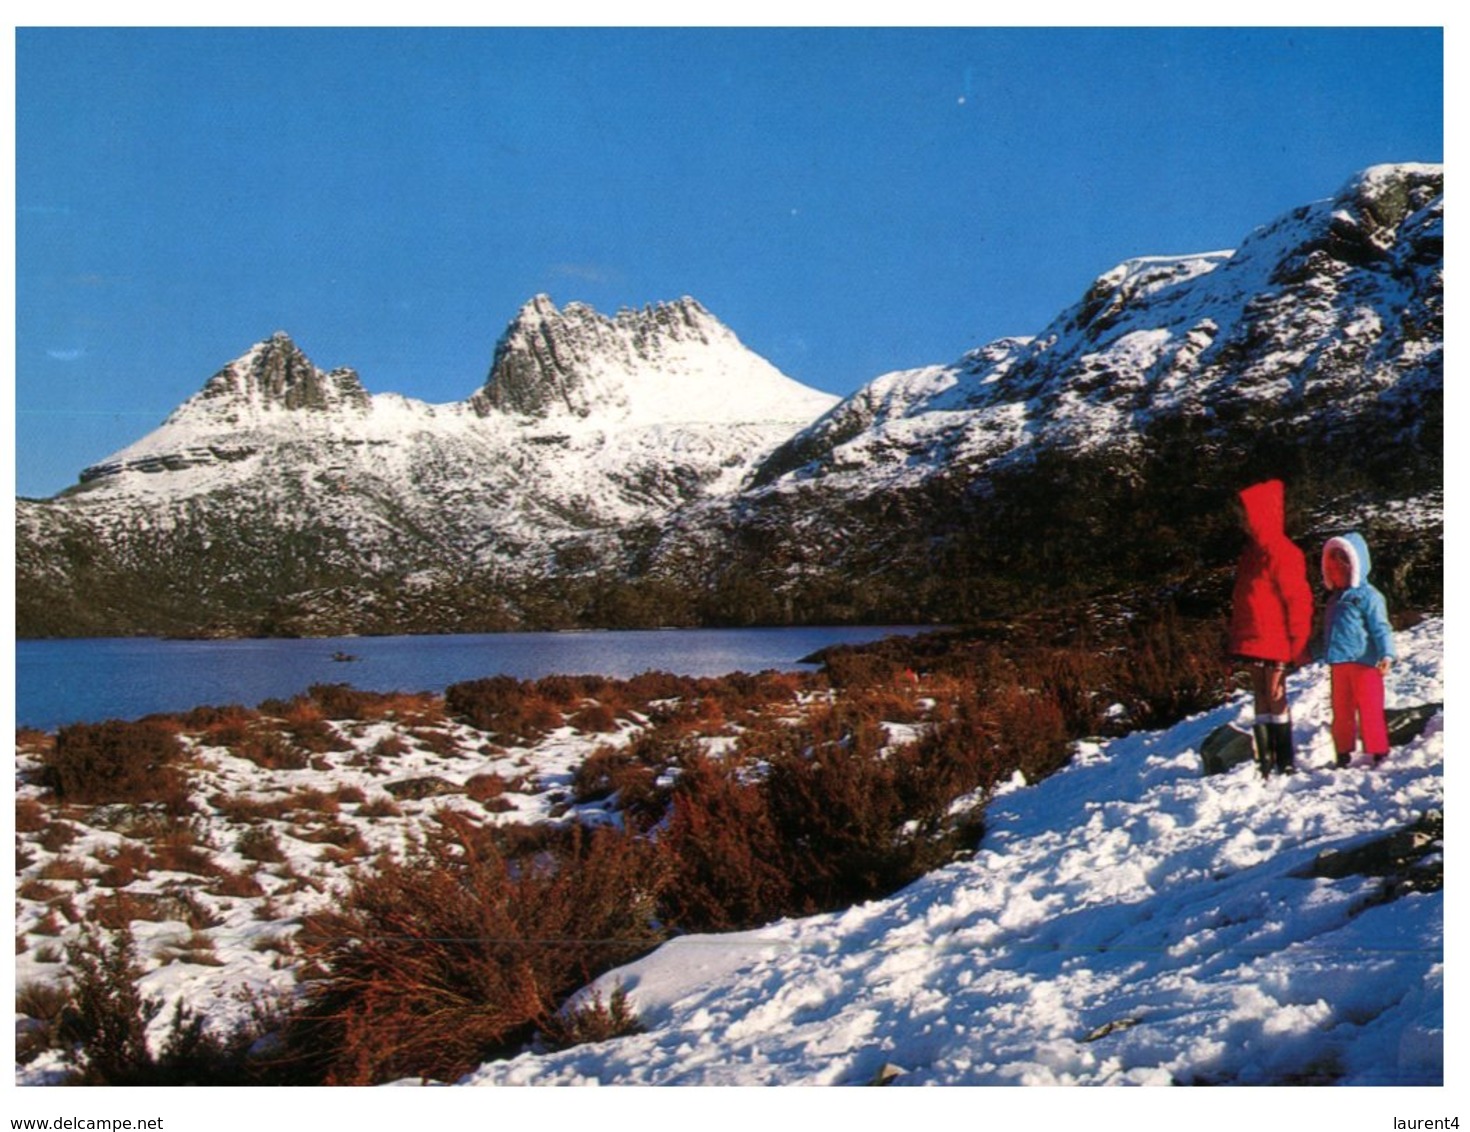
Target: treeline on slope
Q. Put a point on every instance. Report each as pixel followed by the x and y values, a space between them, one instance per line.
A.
pixel 467 946
pixel 1060 527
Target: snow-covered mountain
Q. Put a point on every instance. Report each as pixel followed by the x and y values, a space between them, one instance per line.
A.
pixel 648 469
pixel 1333 310
pixel 290 480
pixel 606 395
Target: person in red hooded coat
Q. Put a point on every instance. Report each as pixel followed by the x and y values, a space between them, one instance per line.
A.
pixel 1271 619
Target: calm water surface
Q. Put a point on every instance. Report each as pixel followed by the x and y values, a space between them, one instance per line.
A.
pixel 60 682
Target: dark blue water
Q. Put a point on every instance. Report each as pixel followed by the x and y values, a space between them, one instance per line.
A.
pixel 61 682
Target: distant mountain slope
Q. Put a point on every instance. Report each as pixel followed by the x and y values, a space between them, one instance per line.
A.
pixel 647 469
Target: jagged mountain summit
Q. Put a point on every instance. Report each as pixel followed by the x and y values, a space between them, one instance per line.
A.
pixel 672 365
pixel 648 469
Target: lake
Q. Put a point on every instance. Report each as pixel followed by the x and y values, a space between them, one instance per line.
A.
pixel 68 681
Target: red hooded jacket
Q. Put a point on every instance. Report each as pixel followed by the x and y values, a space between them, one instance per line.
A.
pixel 1272 615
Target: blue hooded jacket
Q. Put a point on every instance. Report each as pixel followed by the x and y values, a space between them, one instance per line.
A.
pixel 1355 629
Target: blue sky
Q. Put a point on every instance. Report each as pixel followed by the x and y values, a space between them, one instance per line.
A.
pixel 848 201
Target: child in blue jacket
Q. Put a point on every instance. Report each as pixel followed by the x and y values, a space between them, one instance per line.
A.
pixel 1357 641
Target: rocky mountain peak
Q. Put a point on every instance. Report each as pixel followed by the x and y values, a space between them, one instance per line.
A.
pixel 276 374
pixel 670 361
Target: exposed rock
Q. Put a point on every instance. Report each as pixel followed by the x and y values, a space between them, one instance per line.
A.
pixel 417 789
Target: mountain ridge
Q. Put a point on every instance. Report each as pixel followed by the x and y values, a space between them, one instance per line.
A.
pixel 1172 334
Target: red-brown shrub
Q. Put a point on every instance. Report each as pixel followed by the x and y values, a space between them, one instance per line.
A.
pixel 180 851
pixel 241 884
pixel 509 709
pixel 567 692
pixel 38 891
pixel 379 807
pixel 271 750
pixel 540 715
pixel 238 808
pixel 209 716
pixel 481 703
pixel 63 868
pixel 437 962
pixel 1031 731
pixel 597 718
pixel 621 771
pixel 1173 670
pixel 123 865
pixel 841 806
pixel 417 709
pixel 314 801
pixel 30 816
pixel 724 856
pixel 591 1021
pixel 313 733
pixel 435 739
pixel 57 835
pixel 389 747
pixel 483 787
pixel 260 843
pixel 593 778
pixel 117 911
pixel 219 726
pixel 849 668
pixel 341 701
pixel 648 687
pixel 839 815
pixel 49 925
pixel 117 762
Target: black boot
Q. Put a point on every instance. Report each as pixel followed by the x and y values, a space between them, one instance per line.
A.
pixel 1261 732
pixel 1344 760
pixel 1282 748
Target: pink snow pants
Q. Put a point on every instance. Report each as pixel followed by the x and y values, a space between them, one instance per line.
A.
pixel 1357 694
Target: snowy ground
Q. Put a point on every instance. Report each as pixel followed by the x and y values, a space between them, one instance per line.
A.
pixel 1126 921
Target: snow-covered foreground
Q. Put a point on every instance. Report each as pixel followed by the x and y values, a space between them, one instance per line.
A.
pixel 1126 921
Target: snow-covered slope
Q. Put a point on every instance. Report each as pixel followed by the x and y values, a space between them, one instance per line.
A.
pixel 1125 921
pixel 1333 310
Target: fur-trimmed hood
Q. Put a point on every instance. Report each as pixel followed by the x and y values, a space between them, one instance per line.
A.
pixel 1357 552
